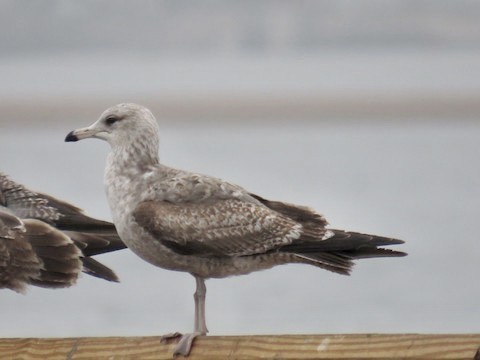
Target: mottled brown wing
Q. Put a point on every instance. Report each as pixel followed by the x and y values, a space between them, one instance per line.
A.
pixel 18 262
pixel 99 236
pixel 35 253
pixel 10 225
pixel 221 228
pixel 61 259
pixel 73 218
pixel 25 203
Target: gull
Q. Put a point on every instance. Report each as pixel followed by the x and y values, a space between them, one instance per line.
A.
pixel 210 228
pixel 47 242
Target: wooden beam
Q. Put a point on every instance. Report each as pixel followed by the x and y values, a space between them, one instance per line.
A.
pixel 358 346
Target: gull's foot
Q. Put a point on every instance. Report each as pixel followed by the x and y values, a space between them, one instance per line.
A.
pixel 165 338
pixel 185 344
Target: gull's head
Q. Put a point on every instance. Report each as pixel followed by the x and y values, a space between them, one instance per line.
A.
pixel 120 125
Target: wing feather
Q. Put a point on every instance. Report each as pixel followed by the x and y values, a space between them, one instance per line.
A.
pixel 228 227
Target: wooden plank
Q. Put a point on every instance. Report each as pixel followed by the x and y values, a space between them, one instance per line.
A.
pixel 355 346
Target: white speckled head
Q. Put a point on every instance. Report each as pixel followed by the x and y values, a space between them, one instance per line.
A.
pixel 120 125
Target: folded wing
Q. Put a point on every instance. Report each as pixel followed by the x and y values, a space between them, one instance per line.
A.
pixel 218 227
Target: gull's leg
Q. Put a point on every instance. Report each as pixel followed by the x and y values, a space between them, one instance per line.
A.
pixel 185 344
pixel 199 296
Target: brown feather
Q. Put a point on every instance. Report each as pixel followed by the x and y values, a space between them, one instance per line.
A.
pixel 336 252
pixel 94 268
pixel 58 234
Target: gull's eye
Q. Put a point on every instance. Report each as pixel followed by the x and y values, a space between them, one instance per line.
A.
pixel 111 120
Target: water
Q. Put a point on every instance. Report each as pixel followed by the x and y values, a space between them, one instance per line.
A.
pixel 373 74
pixel 418 181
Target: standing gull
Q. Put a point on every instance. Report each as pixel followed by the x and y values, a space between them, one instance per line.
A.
pixel 202 225
pixel 47 242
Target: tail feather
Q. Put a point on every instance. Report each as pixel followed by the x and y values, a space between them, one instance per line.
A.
pixel 53 281
pixel 330 249
pixel 374 253
pixel 338 252
pixel 61 254
pixel 342 241
pixel 60 258
pixel 339 266
pixel 94 268
pixel 93 243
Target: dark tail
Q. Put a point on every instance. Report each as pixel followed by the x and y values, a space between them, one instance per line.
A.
pixel 94 268
pixel 330 249
pixel 338 252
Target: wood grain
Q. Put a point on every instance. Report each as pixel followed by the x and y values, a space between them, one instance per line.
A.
pixel 358 346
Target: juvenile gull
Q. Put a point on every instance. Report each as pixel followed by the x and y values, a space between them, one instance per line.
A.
pixel 202 225
pixel 47 242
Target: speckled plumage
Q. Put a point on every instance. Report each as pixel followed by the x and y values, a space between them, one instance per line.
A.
pixel 25 203
pixel 47 242
pixel 35 253
pixel 199 224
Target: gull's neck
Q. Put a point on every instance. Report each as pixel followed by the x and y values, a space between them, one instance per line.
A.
pixel 132 157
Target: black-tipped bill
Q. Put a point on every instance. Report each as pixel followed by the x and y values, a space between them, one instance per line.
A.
pixel 71 137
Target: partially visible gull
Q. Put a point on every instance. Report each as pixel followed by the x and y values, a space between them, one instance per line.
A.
pixel 47 242
pixel 202 225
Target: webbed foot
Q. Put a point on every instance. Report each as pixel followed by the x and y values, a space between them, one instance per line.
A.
pixel 184 345
pixel 165 338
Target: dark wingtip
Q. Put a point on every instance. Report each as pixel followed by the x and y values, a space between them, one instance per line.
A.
pixel 71 137
pixel 94 268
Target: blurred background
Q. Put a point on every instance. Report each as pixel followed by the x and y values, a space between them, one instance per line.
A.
pixel 365 110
